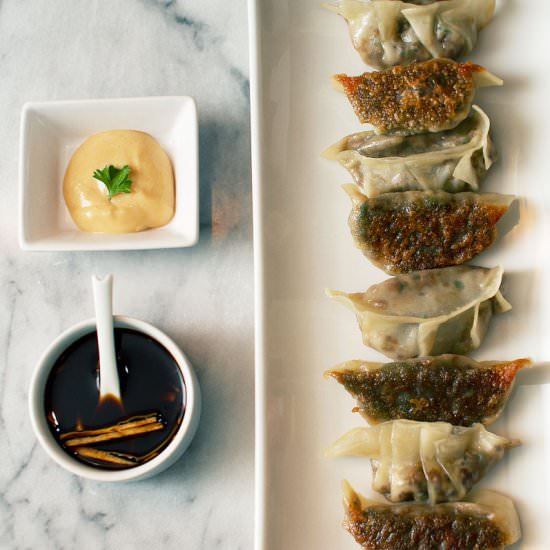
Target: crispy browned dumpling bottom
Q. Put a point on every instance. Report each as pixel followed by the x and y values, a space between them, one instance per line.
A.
pixel 486 521
pixel 417 230
pixel 419 526
pixel 423 97
pixel 445 388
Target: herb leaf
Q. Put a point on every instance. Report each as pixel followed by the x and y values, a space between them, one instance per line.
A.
pixel 115 179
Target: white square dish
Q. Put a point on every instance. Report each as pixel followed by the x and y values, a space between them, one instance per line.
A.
pixel 50 133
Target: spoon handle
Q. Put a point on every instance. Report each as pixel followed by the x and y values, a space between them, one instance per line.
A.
pixel 109 383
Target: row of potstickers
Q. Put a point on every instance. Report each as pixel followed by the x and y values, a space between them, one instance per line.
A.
pixel 417 214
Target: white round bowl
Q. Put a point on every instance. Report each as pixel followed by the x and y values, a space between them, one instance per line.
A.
pixel 166 457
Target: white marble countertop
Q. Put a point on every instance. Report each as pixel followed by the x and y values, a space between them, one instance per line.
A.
pixel 201 296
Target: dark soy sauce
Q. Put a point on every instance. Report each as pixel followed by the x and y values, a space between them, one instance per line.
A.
pixel 150 381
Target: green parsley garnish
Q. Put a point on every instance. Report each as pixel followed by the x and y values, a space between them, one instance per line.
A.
pixel 459 285
pixel 115 179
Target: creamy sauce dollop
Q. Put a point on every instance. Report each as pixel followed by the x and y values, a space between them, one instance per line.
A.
pixel 150 203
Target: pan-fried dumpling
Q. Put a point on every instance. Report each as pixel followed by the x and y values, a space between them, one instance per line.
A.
pixel 454 160
pixel 416 230
pixel 388 32
pixel 446 388
pixel 428 312
pixel 430 461
pixel 486 521
pixel 425 97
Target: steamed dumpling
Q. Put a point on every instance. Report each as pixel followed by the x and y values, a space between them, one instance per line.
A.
pixel 446 388
pixel 425 97
pixel 430 461
pixel 415 230
pixel 388 32
pixel 454 160
pixel 487 521
pixel 428 312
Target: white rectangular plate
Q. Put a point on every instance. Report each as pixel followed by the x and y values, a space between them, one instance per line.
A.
pixel 303 245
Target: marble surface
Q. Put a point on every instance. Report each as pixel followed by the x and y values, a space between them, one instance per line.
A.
pixel 201 296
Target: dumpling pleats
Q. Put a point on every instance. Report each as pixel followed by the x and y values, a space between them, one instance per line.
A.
pixel 381 467
pixel 388 32
pixel 468 455
pixel 453 161
pixel 428 312
pixel 407 479
pixel 440 486
pixel 430 462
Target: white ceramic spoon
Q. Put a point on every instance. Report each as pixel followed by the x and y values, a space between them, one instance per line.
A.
pixel 109 384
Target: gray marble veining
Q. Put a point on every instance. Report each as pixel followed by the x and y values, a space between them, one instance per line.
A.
pixel 201 296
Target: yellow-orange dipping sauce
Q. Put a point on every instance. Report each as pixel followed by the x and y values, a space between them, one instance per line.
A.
pixel 150 203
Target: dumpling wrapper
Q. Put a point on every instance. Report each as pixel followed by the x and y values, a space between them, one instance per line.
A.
pixel 431 461
pixel 407 480
pixel 428 312
pixel 455 160
pixel 376 444
pixel 487 520
pixel 419 230
pixel 388 32
pixel 439 485
pixel 468 455
pixel 444 388
pixel 433 96
pixel 381 467
pixel 359 443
